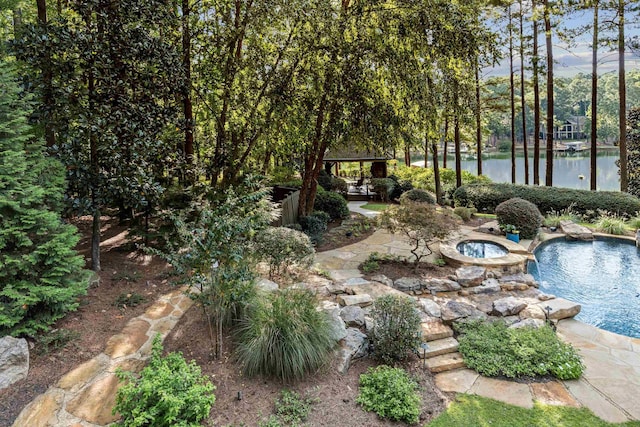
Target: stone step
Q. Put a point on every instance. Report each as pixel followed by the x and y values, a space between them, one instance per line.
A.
pixel 435 330
pixel 440 347
pixel 445 362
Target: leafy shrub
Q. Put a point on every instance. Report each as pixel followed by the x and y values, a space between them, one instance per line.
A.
pixel 383 187
pixel 464 213
pixel 421 223
pixel 504 146
pixel 400 187
pixel 54 340
pixel 485 197
pixel 284 336
pixel 291 408
pixel 396 331
pixel 169 392
pixel 423 178
pixel 281 174
pixel 314 225
pixel 418 195
pixel 371 263
pixel 390 393
pixel 524 215
pixel 284 247
pixel 324 180
pixel 492 349
pixel 339 185
pixel 611 224
pixel 332 203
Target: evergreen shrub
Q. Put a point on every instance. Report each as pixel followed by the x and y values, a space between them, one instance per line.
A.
pixel 390 393
pixel 284 247
pixel 522 214
pixel 332 203
pixel 418 195
pixel 486 197
pixel 396 330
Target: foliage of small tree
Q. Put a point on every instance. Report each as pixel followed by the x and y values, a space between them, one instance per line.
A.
pixel 168 392
pixel 521 213
pixel 214 251
pixel 422 225
pixel 284 247
pixel 284 336
pixel 390 393
pixel 396 330
pixel 41 275
pixel 633 151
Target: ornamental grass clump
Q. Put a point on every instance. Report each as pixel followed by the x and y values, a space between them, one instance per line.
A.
pixel 284 336
pixel 493 349
pixel 390 393
pixel 611 224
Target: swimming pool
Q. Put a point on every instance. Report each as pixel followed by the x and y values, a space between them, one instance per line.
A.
pixel 603 276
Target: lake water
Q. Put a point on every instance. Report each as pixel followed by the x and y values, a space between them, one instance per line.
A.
pixel 567 169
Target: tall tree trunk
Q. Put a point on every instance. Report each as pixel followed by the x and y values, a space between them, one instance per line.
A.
pixel 456 141
pixel 536 99
pixel 426 148
pixel 512 100
pixel 478 121
pixel 547 29
pixel 622 87
pixel 47 80
pixel 17 22
pixel 594 99
pixel 186 94
pixel 436 170
pixel 445 151
pixel 407 155
pixel 523 103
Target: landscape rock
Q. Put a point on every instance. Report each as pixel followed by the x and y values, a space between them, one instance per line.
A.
pixel 546 297
pixel 489 286
pixel 471 275
pixel 560 308
pixel 381 278
pixel 575 231
pixel 328 305
pixel 352 316
pixel 532 312
pixel 361 300
pixel 354 346
pixel 369 324
pixel 337 289
pixel 355 281
pixel 336 324
pixel 456 310
pixel 441 285
pixel 528 323
pixel 523 278
pixel 267 285
pixel 406 284
pixel 508 306
pixel 491 227
pixel 430 307
pixel 14 360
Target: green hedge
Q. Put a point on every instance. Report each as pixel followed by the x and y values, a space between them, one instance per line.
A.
pixel 485 198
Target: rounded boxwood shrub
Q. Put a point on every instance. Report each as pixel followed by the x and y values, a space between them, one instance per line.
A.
pixel 324 180
pixel 284 336
pixel 524 215
pixel 332 203
pixel 418 195
pixel 396 330
pixel 486 197
pixel 284 247
pixel 314 225
pixel 390 393
pixel 400 187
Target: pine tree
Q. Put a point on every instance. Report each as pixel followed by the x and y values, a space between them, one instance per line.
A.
pixel 41 275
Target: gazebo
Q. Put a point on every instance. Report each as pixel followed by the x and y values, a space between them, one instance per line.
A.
pixel 333 158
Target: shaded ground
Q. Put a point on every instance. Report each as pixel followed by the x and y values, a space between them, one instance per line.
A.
pixel 98 318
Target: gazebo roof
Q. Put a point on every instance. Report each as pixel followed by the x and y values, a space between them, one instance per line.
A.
pixel 347 155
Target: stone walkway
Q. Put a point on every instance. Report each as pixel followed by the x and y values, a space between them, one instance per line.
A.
pixel 86 395
pixel 610 385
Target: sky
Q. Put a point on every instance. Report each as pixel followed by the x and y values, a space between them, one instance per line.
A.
pixel 571 60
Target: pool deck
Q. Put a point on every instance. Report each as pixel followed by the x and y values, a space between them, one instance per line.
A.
pixel 609 387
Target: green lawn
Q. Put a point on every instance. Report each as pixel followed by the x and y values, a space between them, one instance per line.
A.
pixel 379 207
pixel 475 411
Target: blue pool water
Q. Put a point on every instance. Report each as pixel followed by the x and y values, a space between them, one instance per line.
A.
pixel 603 276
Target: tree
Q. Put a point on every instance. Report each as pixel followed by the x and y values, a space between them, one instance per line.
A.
pixel 550 123
pixel 523 102
pixel 633 134
pixel 536 96
pixel 622 87
pixel 422 224
pixel 41 275
pixel 594 97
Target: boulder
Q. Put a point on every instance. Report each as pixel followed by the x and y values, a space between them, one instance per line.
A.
pixel 532 312
pixel 430 307
pixel 528 323
pixel 489 286
pixel 14 360
pixel 328 305
pixel 361 300
pixel 337 289
pixel 354 346
pixel 355 281
pixel 560 308
pixel 352 316
pixel 508 306
pixel 406 284
pixel 470 276
pixel 456 310
pixel 522 278
pixel 336 324
pixel 381 278
pixel 491 227
pixel 575 231
pixel 545 297
pixel 267 285
pixel 441 285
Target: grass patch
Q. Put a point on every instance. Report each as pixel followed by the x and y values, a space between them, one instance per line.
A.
pixel 485 215
pixel 472 411
pixel 378 207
